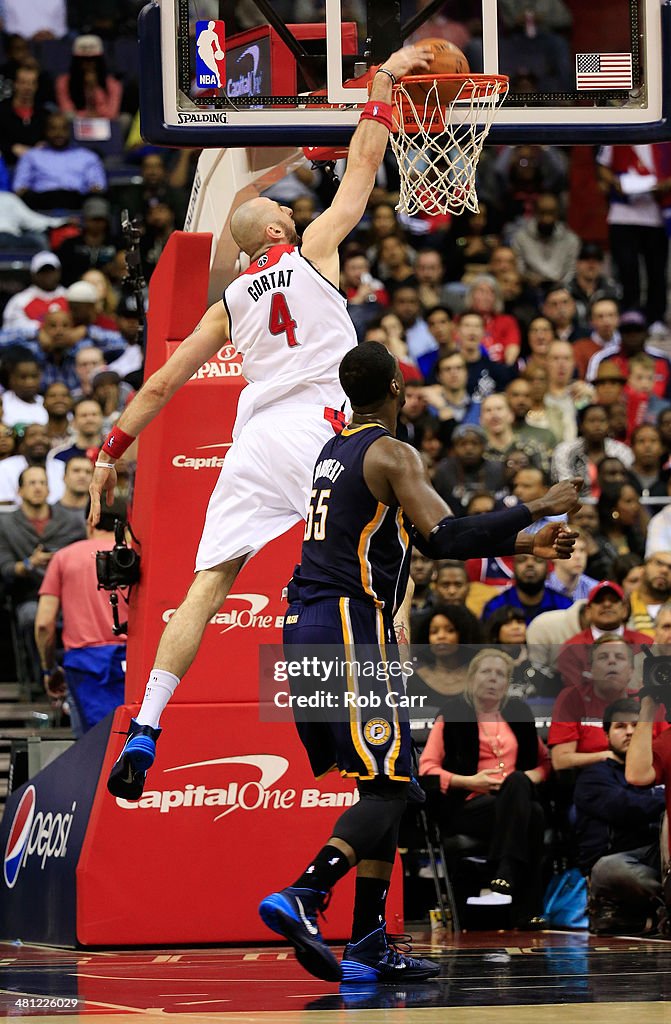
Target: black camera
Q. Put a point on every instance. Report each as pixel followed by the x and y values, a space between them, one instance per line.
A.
pixel 119 567
pixel 657 677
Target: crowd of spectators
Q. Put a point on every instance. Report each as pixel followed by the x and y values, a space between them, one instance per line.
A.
pixel 530 354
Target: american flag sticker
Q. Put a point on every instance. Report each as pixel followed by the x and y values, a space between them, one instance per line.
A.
pixel 603 71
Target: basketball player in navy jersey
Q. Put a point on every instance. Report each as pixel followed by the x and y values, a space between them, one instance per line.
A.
pixel 288 320
pixel 371 500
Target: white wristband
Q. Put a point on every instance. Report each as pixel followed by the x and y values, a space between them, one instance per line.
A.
pixel 104 465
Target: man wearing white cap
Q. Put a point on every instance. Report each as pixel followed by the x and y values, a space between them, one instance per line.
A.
pixel 27 308
pixel 82 298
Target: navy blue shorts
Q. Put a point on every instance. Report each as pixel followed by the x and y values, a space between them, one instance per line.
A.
pixel 364 742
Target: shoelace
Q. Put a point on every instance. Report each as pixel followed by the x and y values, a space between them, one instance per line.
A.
pixel 323 905
pixel 399 947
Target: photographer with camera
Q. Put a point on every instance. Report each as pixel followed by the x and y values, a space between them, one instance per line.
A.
pixel 617 829
pixel 93 672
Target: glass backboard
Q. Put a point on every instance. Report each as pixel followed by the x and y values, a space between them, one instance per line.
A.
pixel 293 72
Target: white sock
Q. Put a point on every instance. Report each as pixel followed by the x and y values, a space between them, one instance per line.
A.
pixel 160 689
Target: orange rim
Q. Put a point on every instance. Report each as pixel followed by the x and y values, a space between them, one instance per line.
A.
pixel 469 88
pixel 478 83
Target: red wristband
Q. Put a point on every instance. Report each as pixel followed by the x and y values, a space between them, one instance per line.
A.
pixel 377 110
pixel 116 442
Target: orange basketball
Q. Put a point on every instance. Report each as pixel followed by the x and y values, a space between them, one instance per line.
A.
pixel 447 60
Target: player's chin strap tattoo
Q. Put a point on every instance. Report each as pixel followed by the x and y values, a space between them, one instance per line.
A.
pixel 130 229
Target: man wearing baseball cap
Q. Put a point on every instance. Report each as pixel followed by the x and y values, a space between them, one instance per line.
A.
pixel 466 471
pixel 83 300
pixel 607 612
pixel 26 309
pixel 634 339
pixel 94 247
pixel 590 282
pixel 130 364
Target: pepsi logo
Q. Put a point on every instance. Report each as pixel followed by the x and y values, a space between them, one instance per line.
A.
pixel 18 836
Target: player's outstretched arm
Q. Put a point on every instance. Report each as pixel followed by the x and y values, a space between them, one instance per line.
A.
pixel 207 337
pixel 395 471
pixel 366 151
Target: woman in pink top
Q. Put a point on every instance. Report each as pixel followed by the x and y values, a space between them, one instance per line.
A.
pixel 485 749
pixel 87 90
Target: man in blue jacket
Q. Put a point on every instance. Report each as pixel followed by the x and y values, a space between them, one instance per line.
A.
pixel 618 833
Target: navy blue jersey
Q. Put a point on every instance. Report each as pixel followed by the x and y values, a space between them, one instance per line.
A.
pixel 354 545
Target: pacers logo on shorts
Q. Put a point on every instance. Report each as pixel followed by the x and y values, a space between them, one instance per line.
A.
pixel 377 731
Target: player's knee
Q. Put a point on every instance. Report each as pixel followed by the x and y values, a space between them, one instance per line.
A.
pixel 211 586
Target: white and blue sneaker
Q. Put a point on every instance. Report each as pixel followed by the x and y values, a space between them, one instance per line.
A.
pixel 376 959
pixel 129 771
pixel 292 913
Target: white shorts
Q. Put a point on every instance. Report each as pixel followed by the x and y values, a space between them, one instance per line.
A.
pixel 265 483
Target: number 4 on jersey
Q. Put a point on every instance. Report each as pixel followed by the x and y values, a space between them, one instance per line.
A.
pixel 281 320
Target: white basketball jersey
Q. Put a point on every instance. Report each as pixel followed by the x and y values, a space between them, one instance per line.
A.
pixel 292 329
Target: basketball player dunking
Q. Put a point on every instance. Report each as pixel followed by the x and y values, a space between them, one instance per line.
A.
pixel 288 320
pixel 367 490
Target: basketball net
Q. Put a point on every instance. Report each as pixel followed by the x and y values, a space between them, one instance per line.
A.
pixel 437 143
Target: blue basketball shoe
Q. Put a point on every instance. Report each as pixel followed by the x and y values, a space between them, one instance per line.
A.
pixel 376 959
pixel 292 913
pixel 129 771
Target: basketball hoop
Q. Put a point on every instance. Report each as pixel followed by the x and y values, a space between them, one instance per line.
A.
pixel 440 126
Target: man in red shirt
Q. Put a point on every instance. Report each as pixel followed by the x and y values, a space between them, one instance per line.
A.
pixel 576 733
pixel 607 612
pixel 93 672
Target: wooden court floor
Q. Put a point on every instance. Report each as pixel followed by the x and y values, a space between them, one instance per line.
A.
pixel 486 978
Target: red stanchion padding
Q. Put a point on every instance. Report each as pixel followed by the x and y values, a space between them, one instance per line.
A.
pixel 230 813
pixel 177 293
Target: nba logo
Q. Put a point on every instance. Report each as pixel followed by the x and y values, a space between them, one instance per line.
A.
pixel 210 54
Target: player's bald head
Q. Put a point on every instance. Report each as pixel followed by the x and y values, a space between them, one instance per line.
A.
pixel 261 222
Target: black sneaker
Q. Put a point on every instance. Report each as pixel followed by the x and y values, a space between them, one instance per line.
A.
pixel 608 917
pixel 292 913
pixel 376 959
pixel 129 771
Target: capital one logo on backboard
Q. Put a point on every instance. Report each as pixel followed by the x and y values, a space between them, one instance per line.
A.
pixel 240 793
pixel 210 54
pixel 250 79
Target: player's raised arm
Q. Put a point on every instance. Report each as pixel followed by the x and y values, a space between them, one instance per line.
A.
pixel 366 151
pixel 207 337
